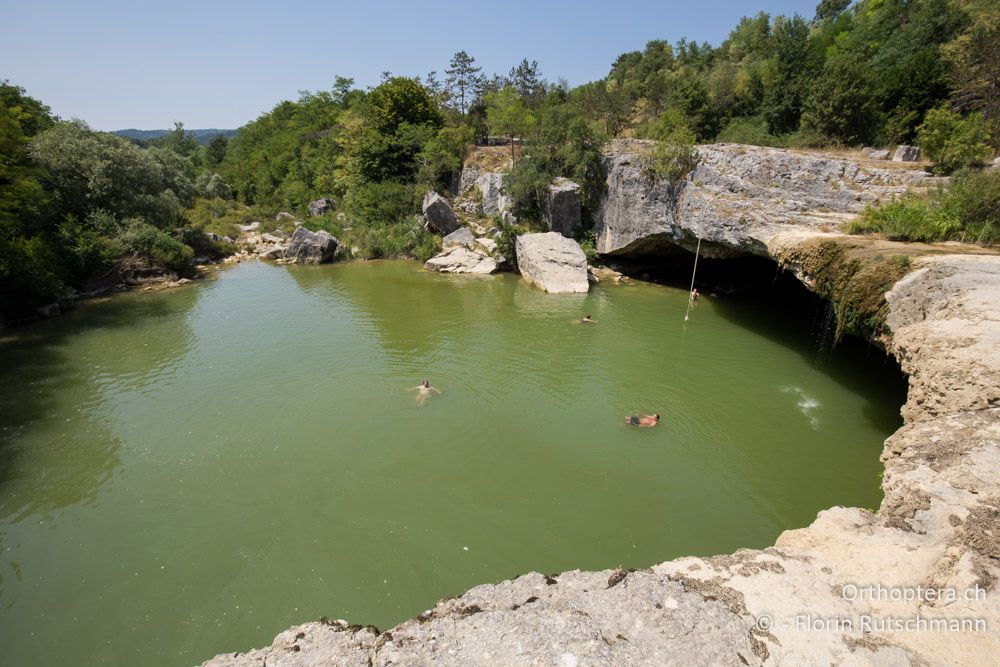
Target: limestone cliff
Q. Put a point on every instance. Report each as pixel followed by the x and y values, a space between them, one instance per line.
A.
pixel 736 198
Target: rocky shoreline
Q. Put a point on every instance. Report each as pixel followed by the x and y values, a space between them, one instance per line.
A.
pixel 849 589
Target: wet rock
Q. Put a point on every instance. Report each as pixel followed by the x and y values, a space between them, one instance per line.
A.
pixel 50 310
pixel 561 208
pixel 439 217
pixel 552 262
pixel 320 207
pixel 906 154
pixel 307 247
pixel 461 259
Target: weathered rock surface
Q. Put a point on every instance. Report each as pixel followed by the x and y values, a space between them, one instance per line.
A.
pixel 561 208
pixel 307 247
pixel 878 155
pixel 468 179
pixel 460 237
pixel 495 201
pixel 906 154
pixel 735 199
pixel 461 259
pixel 252 227
pixel 552 262
pixel 321 206
pixel 438 214
pixel 284 216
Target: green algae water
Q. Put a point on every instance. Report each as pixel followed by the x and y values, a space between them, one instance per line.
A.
pixel 190 472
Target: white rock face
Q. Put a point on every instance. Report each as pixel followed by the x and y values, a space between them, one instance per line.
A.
pixel 736 198
pixel 495 201
pixel 552 262
pixel 561 208
pixel 461 259
pixel 906 154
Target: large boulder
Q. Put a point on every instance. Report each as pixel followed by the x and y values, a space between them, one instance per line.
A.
pixel 438 214
pixel 462 260
pixel 307 247
pixel 460 237
pixel 321 207
pixel 552 262
pixel 906 154
pixel 561 208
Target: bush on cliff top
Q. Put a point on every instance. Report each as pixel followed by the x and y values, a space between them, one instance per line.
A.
pixel 968 211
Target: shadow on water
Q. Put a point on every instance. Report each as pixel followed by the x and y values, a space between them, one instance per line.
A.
pixel 35 368
pixel 756 294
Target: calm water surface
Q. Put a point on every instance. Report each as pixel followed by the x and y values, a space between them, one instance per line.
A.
pixel 190 472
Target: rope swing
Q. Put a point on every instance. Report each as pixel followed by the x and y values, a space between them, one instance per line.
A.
pixel 697 252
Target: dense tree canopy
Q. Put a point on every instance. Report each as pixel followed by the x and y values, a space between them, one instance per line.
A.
pixel 74 202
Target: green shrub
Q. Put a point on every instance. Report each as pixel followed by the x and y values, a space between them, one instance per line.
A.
pixel 220 216
pixel 154 245
pixel 671 159
pixel 953 142
pixel 751 131
pixel 968 210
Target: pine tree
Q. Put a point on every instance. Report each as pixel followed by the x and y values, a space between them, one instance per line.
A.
pixel 463 79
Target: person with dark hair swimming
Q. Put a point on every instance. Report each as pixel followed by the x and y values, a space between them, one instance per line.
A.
pixel 643 421
pixel 424 391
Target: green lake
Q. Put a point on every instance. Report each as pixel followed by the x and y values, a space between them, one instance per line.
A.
pixel 189 472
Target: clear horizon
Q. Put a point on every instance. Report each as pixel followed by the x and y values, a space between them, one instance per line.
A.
pixel 121 65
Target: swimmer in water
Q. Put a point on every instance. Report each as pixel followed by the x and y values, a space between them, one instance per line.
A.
pixel 424 391
pixel 643 421
pixel 586 319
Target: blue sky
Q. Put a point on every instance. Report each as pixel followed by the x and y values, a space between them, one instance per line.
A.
pixel 221 64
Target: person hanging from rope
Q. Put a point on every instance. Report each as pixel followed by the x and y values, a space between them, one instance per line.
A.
pixel 643 421
pixel 694 294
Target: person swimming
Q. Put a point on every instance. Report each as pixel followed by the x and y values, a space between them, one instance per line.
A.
pixel 424 391
pixel 586 319
pixel 643 421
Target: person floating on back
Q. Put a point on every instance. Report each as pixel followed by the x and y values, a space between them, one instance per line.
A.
pixel 643 421
pixel 424 391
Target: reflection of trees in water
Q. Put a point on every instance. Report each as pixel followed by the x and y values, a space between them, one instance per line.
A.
pixel 48 373
pixel 412 313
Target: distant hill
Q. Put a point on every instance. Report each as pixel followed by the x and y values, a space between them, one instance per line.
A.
pixel 201 136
